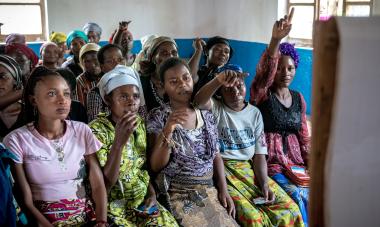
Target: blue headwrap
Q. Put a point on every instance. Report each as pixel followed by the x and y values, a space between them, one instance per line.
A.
pixel 232 67
pixel 92 27
pixel 75 34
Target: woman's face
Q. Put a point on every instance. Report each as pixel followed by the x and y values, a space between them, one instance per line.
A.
pixel 124 99
pixel 234 96
pixel 52 98
pixel 50 54
pixel 91 63
pixel 165 51
pixel 23 61
pixel 93 37
pixel 218 55
pixel 112 58
pixel 178 84
pixel 7 83
pixel 76 44
pixel 285 72
pixel 127 41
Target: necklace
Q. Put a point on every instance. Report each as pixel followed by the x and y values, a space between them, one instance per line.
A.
pixel 158 98
pixel 58 147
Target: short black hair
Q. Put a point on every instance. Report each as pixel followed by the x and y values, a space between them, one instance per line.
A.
pixel 168 64
pixel 104 48
pixel 218 39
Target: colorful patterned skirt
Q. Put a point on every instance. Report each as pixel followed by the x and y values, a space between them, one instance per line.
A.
pixel 243 189
pixel 299 194
pixel 194 202
pixel 74 212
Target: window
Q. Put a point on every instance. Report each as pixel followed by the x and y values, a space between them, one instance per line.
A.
pixel 23 16
pixel 306 11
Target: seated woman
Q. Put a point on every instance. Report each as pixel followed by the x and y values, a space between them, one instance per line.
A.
pixel 123 154
pixel 59 38
pixel 283 112
pixel 75 40
pixel 244 150
pixel 218 52
pixel 11 116
pixel 91 72
pixel 93 32
pixel 185 153
pixel 49 52
pixel 54 157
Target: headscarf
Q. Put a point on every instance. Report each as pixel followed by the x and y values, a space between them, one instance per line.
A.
pixel 75 34
pixel 87 48
pixel 156 43
pixel 215 40
pixel 288 49
pixel 92 27
pixel 58 37
pixel 119 76
pixel 12 66
pixel 232 67
pixel 25 50
pixel 14 36
pixel 43 46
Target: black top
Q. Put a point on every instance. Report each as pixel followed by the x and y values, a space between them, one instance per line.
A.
pixel 278 118
pixel 73 66
pixel 19 122
pixel 78 112
pixel 205 74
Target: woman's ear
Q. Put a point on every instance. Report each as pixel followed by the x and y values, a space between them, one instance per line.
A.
pixel 32 100
pixel 108 99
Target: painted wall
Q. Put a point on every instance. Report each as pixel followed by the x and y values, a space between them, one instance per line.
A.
pixel 248 23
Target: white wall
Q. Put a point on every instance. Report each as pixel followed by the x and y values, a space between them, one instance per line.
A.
pixel 249 20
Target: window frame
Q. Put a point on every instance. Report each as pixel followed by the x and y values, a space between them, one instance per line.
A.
pixel 29 37
pixel 316 5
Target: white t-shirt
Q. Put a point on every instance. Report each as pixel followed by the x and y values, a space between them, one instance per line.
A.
pixel 241 134
pixel 49 178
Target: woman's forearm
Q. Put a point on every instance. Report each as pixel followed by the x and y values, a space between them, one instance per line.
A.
pixel 219 175
pixel 260 169
pixel 161 152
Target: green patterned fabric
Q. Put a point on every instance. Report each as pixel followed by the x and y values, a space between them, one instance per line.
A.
pixel 130 190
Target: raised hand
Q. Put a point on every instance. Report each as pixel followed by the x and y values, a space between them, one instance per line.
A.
pixel 198 44
pixel 123 25
pixel 230 78
pixel 282 27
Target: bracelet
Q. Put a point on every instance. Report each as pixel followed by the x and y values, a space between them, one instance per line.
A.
pixel 170 141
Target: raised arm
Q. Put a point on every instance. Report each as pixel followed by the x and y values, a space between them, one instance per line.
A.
pixel 267 66
pixel 226 78
pixel 198 45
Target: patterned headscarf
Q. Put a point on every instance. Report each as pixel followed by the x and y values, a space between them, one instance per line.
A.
pixel 58 37
pixel 11 38
pixel 12 66
pixel 24 50
pixel 75 34
pixel 92 27
pixel 288 49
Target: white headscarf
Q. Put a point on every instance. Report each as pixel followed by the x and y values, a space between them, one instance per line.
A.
pixel 117 77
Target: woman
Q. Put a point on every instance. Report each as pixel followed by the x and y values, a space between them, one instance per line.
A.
pixel 92 72
pixel 54 157
pixel 75 40
pixel 218 52
pixel 244 150
pixel 15 38
pixel 93 32
pixel 59 38
pixel 24 56
pixel 185 153
pixel 123 154
pixel 11 116
pixel 124 38
pixel 284 112
pixel 49 52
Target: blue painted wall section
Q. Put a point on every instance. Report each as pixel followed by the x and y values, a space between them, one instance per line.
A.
pixel 247 55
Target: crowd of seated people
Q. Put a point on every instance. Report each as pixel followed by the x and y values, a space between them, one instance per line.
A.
pixel 99 136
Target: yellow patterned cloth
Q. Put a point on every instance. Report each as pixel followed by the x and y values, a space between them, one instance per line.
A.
pixel 132 186
pixel 243 188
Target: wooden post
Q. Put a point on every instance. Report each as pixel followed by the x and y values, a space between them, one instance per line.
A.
pixel 326 44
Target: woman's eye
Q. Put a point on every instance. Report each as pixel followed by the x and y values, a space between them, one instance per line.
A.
pixel 67 94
